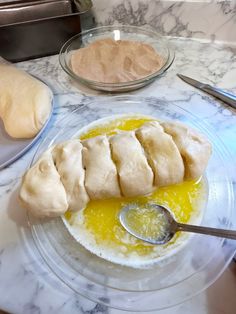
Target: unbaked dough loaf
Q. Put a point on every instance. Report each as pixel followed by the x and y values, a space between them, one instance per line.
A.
pixel 42 192
pixel 68 160
pixel 162 153
pixel 152 156
pixel 135 175
pixel 194 148
pixel 101 180
pixel 25 102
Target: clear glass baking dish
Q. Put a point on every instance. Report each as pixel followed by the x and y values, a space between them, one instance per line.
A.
pixel 173 280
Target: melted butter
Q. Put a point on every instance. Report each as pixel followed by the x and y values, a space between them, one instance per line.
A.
pixel 150 223
pixel 112 127
pixel 101 216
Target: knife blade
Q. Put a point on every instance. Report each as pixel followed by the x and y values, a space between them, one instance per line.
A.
pixel 228 98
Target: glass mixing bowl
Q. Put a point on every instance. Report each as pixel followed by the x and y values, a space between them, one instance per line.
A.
pixel 173 280
pixel 159 43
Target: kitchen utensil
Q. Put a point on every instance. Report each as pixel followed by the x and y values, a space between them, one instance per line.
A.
pixel 228 98
pixel 163 226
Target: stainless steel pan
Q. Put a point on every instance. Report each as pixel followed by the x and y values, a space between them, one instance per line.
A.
pixel 36 28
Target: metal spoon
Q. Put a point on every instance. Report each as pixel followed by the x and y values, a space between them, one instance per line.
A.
pixel 160 225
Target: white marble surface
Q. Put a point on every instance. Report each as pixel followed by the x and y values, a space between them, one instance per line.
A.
pixel 213 20
pixel 26 284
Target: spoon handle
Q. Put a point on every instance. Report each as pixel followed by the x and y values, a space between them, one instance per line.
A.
pixel 230 234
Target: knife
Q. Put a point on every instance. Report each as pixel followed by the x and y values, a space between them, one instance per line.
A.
pixel 230 99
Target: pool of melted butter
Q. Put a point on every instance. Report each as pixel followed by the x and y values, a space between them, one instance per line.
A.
pixel 100 217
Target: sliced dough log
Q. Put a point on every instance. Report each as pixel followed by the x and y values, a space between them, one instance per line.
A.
pixel 162 153
pixel 101 180
pixel 25 102
pixel 93 175
pixel 135 175
pixel 42 192
pixel 194 148
pixel 68 160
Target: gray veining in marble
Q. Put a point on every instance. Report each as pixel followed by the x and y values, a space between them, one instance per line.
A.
pixel 208 20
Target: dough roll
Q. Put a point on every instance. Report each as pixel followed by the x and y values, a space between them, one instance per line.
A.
pixel 101 180
pixel 42 191
pixel 135 175
pixel 68 161
pixel 162 153
pixel 25 102
pixel 194 148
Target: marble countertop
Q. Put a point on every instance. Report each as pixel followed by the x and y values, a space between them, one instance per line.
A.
pixel 26 284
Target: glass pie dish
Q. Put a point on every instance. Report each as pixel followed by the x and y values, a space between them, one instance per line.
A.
pixel 174 279
pixel 159 43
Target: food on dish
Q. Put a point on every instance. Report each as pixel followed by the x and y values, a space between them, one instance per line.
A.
pixel 115 61
pixel 101 180
pixel 43 192
pixel 106 169
pixel 193 147
pixel 135 174
pixel 162 153
pixel 97 226
pixel 25 102
pixel 68 161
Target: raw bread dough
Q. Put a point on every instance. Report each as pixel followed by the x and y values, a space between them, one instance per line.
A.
pixel 162 153
pixel 135 175
pixel 101 180
pixel 45 193
pixel 25 102
pixel 194 148
pixel 42 192
pixel 68 160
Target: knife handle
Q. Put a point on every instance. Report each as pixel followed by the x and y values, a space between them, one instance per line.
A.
pixel 222 95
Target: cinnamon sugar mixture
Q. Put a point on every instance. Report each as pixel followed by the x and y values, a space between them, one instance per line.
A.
pixel 110 61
